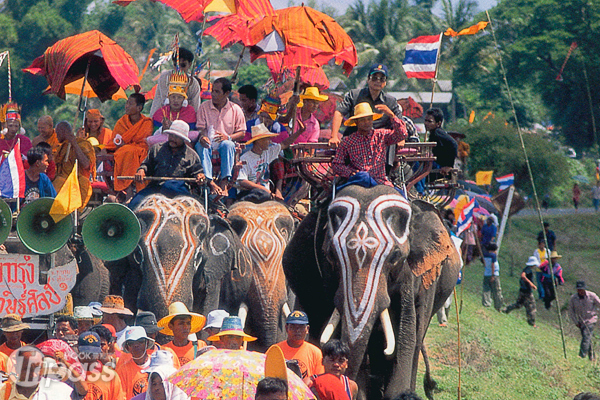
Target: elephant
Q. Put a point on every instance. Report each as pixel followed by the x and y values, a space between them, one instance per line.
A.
pixel 161 269
pixel 224 278
pixel 375 268
pixel 93 279
pixel 265 230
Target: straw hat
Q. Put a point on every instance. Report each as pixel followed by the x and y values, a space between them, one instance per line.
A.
pixel 12 323
pixel 179 128
pixel 555 254
pixel 312 93
pixel 362 110
pixel 179 309
pixel 260 131
pixel 114 305
pixel 232 326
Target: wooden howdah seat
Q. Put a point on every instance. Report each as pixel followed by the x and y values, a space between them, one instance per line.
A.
pixel 313 163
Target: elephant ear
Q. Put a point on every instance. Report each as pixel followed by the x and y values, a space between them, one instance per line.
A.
pixel 430 243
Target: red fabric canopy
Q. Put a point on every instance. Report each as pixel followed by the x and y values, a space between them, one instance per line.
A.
pixel 110 67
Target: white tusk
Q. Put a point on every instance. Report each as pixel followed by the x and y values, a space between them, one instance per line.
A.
pixel 243 313
pixel 388 332
pixel 286 309
pixel 334 320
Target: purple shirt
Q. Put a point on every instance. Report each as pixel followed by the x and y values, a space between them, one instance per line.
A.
pixel 584 310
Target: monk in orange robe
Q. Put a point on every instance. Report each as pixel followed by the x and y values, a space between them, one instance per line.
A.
pixel 129 143
pixel 47 134
pixel 93 126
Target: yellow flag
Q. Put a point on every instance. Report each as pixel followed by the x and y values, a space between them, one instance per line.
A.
pixel 484 177
pixel 68 198
pixel 472 116
pixel 467 31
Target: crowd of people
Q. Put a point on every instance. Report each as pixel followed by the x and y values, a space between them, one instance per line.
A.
pixel 95 354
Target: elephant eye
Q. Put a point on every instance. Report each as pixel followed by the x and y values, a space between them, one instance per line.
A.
pixel 337 216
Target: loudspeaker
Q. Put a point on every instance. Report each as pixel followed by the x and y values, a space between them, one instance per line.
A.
pixel 38 231
pixel 5 221
pixel 111 231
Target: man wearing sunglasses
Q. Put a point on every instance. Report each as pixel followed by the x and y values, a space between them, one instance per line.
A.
pixel 374 95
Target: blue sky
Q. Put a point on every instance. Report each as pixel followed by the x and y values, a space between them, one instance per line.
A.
pixel 341 5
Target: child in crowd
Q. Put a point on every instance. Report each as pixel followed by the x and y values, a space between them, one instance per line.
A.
pixel 526 289
pixel 177 107
pixel 333 384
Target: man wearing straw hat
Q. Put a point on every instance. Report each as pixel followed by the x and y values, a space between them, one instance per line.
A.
pixel 547 275
pixel 253 178
pixel 305 107
pixel 362 155
pixel 583 311
pixel 12 326
pixel 180 323
pixel 232 334
pixel 372 94
pixel 114 313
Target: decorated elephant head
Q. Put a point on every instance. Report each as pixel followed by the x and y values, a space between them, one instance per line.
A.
pixel 378 267
pixel 173 231
pixel 265 230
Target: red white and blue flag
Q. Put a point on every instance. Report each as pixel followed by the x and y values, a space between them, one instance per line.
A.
pixel 465 218
pixel 506 181
pixel 12 174
pixel 421 56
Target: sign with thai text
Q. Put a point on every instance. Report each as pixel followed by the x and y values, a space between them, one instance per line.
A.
pixel 22 291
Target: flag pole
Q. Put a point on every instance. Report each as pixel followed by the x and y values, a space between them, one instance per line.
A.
pixel 75 212
pixel 437 62
pixel 9 78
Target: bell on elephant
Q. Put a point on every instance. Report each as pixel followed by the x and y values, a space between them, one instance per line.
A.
pixel 232 334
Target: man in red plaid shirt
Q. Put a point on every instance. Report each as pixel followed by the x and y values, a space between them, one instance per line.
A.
pixel 366 149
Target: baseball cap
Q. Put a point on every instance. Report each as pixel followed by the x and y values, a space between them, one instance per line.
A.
pixel 580 285
pixel 89 342
pixel 378 68
pixel 297 318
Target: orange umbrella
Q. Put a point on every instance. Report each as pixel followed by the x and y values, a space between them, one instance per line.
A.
pixel 194 10
pixel 75 88
pixel 109 67
pixel 307 38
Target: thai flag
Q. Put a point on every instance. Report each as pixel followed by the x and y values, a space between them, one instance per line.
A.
pixel 466 217
pixel 506 181
pixel 12 174
pixel 421 56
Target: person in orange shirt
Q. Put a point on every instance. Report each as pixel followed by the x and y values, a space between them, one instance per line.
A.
pixel 103 383
pixel 12 326
pixel 129 143
pixel 308 355
pixel 179 324
pixel 93 126
pixel 147 320
pixel 133 380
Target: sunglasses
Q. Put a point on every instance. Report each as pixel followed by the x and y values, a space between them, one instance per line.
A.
pixel 378 78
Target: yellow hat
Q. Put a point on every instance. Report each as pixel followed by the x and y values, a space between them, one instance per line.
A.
pixel 178 83
pixel 312 93
pixel 179 309
pixel 360 111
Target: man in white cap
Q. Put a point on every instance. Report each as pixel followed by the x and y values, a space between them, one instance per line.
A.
pixel 214 320
pixel 136 342
pixel 526 291
pixel 172 159
pixel 84 317
pixel 253 178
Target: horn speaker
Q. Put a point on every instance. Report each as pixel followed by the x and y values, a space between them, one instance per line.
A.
pixel 38 231
pixel 5 221
pixel 111 231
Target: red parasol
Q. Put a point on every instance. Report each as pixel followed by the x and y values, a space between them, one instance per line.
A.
pixel 108 66
pixel 307 38
pixel 410 108
pixel 194 10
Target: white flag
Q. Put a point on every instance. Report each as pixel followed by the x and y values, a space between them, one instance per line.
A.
pixel 3 56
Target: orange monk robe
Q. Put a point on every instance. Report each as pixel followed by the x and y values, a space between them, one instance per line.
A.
pixel 52 141
pixel 106 137
pixel 134 150
pixel 65 161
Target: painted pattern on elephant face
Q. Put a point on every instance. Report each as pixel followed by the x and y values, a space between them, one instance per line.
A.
pixel 171 238
pixel 266 243
pixel 363 238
